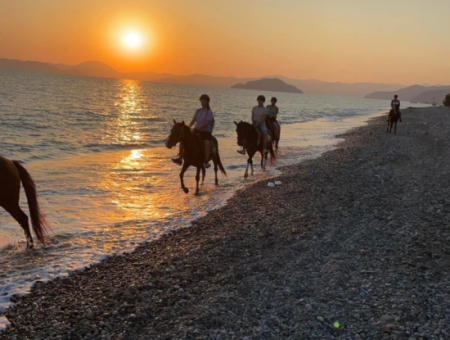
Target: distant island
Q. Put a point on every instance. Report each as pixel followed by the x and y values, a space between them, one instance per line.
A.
pixel 268 84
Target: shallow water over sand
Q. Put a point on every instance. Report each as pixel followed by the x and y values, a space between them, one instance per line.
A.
pixel 106 183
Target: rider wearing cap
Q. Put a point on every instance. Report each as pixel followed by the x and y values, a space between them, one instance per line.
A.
pixel 204 125
pixel 259 115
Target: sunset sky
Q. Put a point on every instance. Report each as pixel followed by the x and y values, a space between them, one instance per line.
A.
pixel 392 41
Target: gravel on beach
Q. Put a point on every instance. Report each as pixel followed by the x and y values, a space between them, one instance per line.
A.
pixel 352 245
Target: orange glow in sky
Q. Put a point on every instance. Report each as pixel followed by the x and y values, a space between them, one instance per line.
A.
pixel 401 41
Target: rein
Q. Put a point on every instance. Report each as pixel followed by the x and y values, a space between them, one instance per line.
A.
pixel 180 138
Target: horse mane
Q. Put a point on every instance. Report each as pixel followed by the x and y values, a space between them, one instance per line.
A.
pixel 249 128
pixel 186 129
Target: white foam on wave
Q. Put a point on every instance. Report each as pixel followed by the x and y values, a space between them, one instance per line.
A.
pixel 88 244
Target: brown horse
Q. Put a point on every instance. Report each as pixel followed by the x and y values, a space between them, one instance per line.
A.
pixel 247 137
pixel 275 133
pixel 393 118
pixel 11 174
pixel 193 153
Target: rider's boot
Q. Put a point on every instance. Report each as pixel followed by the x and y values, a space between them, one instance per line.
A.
pixel 177 161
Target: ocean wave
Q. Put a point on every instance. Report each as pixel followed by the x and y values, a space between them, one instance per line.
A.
pixel 129 146
pixel 149 119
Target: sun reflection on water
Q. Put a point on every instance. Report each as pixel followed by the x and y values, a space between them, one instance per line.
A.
pixel 131 104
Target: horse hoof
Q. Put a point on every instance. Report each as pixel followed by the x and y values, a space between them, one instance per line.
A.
pixel 217 183
pixel 186 190
pixel 246 176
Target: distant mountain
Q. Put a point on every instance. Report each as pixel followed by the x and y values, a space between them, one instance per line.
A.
pixel 99 69
pixel 28 66
pixel 203 80
pixel 317 87
pixel 94 69
pixel 429 96
pixel 268 84
pixel 407 93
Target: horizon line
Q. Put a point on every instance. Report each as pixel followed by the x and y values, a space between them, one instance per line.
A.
pixel 216 76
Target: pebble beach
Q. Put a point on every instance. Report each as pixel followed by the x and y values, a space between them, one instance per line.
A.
pixel 352 245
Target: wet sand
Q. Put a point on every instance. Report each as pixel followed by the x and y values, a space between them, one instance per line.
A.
pixel 358 236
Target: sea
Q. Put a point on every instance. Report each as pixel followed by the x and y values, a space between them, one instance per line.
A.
pixel 106 183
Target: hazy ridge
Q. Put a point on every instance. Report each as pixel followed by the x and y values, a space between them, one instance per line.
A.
pixel 414 93
pixel 268 84
pixel 99 69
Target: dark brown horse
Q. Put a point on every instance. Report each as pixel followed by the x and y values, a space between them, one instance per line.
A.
pixel 393 118
pixel 275 133
pixel 247 137
pixel 193 153
pixel 11 174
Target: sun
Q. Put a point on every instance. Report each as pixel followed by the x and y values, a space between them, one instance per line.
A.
pixel 132 39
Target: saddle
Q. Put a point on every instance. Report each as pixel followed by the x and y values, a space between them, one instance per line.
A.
pixel 213 144
pixel 260 137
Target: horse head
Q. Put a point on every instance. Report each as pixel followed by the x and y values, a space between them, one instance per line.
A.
pixel 241 130
pixel 245 132
pixel 176 134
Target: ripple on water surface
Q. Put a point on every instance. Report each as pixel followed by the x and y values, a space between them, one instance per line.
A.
pixel 95 149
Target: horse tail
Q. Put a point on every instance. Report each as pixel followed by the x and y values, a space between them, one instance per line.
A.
pixel 218 161
pixel 37 219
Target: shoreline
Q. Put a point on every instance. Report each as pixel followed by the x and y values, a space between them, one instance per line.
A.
pixel 274 263
pixel 302 141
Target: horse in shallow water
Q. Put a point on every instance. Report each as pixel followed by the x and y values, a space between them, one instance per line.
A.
pixel 275 131
pixel 393 118
pixel 11 174
pixel 193 153
pixel 249 138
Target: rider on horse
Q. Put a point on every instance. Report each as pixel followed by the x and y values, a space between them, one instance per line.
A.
pixel 259 115
pixel 272 111
pixel 204 125
pixel 395 108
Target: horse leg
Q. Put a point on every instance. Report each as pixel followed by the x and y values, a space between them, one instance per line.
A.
pixel 395 128
pixel 278 133
pixel 262 162
pixel 215 170
pixel 203 175
pixel 251 165
pixel 22 219
pixel 246 169
pixel 265 161
pixel 183 170
pixel 197 179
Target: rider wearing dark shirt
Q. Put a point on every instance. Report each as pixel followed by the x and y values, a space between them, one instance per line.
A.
pixel 395 106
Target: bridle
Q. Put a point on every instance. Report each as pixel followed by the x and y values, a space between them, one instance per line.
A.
pixel 180 137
